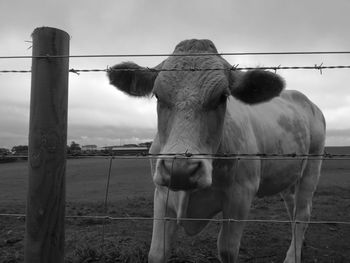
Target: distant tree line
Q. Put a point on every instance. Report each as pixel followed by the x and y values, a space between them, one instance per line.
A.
pixel 73 149
pixel 4 151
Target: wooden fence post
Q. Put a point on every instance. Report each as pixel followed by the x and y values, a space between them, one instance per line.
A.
pixel 45 214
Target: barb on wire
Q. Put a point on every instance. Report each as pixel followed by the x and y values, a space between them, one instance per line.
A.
pixel 276 68
pixel 319 67
pixel 72 70
pixel 234 67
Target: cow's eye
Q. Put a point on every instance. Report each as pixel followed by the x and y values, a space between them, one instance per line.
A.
pixel 217 102
pixel 156 96
pixel 223 98
pixel 162 101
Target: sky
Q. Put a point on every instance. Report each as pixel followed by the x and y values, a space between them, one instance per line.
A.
pixel 99 114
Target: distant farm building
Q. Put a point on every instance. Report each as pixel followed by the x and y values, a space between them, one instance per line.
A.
pixel 20 150
pixel 89 148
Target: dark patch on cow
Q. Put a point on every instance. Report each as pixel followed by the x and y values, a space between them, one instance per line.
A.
pixel 295 128
pixel 234 141
pixel 301 100
pixel 234 136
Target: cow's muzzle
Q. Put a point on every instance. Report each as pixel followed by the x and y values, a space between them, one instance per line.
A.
pixel 183 173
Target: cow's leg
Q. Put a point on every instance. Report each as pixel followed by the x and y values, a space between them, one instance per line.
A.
pixel 289 199
pixel 236 206
pixel 163 231
pixel 304 191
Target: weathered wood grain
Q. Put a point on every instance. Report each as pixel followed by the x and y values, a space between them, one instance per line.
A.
pixel 47 147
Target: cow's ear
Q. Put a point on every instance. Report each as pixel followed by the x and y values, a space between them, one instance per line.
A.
pixel 256 86
pixel 132 79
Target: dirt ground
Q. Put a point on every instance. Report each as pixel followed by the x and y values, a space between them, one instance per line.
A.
pixel 130 194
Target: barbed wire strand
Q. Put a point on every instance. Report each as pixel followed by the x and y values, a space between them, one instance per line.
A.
pixel 184 54
pixel 215 220
pixel 257 156
pixel 319 68
pixel 15 71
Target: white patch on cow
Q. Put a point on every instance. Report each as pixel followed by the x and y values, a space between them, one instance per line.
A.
pixel 182 204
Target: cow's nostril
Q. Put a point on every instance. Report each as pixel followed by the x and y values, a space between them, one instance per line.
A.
pixel 183 173
pixel 193 166
pixel 180 166
pixel 168 165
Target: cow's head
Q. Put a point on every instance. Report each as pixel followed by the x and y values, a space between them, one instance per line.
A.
pixel 192 105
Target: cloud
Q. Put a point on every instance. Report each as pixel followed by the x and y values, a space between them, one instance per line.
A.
pixel 146 27
pixel 109 135
pixel 92 101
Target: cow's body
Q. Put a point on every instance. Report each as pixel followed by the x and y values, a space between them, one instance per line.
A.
pixel 190 120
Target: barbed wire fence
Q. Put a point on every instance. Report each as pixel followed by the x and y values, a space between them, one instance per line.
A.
pixel 106 218
pixel 257 156
pixel 319 67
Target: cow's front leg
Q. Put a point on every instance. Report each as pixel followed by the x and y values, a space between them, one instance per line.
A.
pixel 236 207
pixel 163 230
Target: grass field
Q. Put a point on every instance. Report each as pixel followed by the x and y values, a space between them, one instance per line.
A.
pixel 130 194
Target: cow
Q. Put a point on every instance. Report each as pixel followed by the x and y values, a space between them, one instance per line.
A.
pixel 205 108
